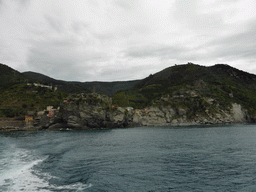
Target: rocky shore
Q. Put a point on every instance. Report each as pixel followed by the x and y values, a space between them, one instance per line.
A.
pixel 92 111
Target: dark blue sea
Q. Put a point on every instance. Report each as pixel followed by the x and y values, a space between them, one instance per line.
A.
pixel 205 158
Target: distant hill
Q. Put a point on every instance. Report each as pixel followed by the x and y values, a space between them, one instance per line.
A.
pixel 17 98
pixel 220 82
pixel 9 76
pixel 108 88
pixel 189 73
pixel 65 86
pixel 189 86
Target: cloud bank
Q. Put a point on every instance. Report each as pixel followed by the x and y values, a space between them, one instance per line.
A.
pixel 115 40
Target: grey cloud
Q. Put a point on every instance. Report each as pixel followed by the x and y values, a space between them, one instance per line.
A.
pixel 121 73
pixel 24 2
pixel 93 2
pixel 140 29
pixel 127 5
pixel 58 68
pixel 78 27
pixel 186 12
pixel 209 21
pixel 73 55
pixel 228 1
pixel 55 23
pixel 21 3
pixel 240 45
pixel 187 7
pixel 104 37
pixel 160 51
pixel 60 59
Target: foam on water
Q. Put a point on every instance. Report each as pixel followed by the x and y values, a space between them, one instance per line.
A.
pixel 137 159
pixel 18 173
pixel 74 187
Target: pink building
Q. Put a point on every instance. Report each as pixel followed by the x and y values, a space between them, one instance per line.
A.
pixel 51 113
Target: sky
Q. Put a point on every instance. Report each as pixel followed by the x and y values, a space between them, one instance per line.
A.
pixel 119 40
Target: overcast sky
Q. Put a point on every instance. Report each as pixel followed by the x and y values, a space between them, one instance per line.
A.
pixel 113 40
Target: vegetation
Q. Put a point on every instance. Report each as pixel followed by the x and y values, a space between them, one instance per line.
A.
pixel 108 88
pixel 18 99
pixel 90 99
pixel 9 76
pixel 189 85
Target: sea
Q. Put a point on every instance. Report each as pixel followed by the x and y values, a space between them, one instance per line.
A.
pixel 193 158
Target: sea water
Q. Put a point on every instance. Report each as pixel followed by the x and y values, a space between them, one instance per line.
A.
pixel 205 158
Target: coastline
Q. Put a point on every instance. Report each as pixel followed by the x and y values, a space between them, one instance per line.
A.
pixel 19 129
pixel 82 115
pixel 66 128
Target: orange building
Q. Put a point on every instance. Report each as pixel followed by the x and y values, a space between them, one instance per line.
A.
pixel 28 119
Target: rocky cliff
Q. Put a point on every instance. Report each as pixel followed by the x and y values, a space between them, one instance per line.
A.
pixel 92 111
pixel 186 94
pixel 96 111
pixel 155 116
pixel 86 111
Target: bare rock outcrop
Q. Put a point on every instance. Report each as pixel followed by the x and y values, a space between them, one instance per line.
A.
pixel 96 111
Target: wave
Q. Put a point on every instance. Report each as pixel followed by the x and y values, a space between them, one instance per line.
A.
pixel 19 172
pixel 74 187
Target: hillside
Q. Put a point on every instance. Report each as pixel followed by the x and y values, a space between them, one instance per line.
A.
pixel 185 85
pixel 196 89
pixel 9 76
pixel 20 98
pixel 108 88
pixel 17 98
pixel 65 86
pixel 186 94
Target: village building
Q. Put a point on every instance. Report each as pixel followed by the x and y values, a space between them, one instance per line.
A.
pixel 45 86
pixel 51 113
pixel 40 113
pixel 29 120
pixel 129 108
pixel 48 108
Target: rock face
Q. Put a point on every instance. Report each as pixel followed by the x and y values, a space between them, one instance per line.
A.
pixel 166 115
pixel 96 111
pixel 238 114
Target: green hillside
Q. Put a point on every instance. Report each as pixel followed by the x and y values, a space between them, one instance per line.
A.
pixel 108 88
pixel 183 84
pixel 20 98
pixel 17 98
pixel 65 86
pixel 9 76
pixel 188 86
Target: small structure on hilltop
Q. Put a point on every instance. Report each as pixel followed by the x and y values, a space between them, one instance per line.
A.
pixel 54 88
